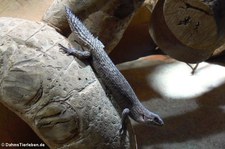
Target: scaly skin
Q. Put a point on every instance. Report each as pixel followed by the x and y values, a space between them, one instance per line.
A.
pixel 111 76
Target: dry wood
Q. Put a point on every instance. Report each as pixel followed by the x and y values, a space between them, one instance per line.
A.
pixel 188 30
pixel 192 22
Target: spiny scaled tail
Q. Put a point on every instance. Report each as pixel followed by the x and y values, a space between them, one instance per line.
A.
pixel 81 32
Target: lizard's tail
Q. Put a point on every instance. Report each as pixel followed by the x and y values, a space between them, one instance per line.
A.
pixel 84 37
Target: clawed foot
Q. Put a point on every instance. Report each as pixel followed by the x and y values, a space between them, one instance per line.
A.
pixel 125 114
pixel 122 131
pixel 66 50
pixel 75 52
pixel 123 128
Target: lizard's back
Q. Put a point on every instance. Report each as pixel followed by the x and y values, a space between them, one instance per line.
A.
pixel 112 77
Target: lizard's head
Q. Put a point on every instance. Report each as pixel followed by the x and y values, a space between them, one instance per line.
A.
pixel 152 119
pixel 149 118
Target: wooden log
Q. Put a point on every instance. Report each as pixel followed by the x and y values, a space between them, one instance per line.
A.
pixel 219 51
pixel 188 30
pixel 150 4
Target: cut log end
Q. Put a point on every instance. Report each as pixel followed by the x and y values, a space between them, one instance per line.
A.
pixel 188 30
pixel 192 22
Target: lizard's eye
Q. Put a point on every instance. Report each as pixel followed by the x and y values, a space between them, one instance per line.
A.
pixel 143 117
pixel 156 119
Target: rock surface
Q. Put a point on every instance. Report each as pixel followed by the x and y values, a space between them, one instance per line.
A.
pixel 107 20
pixel 31 10
pixel 58 96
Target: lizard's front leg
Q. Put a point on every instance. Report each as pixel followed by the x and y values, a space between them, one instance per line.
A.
pixel 77 53
pixel 125 115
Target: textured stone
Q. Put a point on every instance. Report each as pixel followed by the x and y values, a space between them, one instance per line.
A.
pixel 107 20
pixel 58 96
pixel 31 10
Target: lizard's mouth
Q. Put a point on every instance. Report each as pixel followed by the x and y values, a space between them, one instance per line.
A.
pixel 155 120
pixel 158 121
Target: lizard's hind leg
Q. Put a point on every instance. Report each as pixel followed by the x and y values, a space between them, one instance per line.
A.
pixel 77 53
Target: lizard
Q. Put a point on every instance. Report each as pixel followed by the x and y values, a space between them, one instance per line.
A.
pixel 109 74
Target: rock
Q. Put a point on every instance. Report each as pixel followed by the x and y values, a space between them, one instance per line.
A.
pixel 13 129
pixel 107 20
pixel 31 10
pixel 58 96
pixel 192 106
pixel 150 4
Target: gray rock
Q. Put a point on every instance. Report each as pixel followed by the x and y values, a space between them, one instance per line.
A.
pixel 105 19
pixel 57 95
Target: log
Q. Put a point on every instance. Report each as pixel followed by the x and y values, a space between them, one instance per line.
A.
pixel 188 30
pixel 58 96
pixel 219 51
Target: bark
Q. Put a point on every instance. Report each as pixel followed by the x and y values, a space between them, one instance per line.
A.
pixel 219 51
